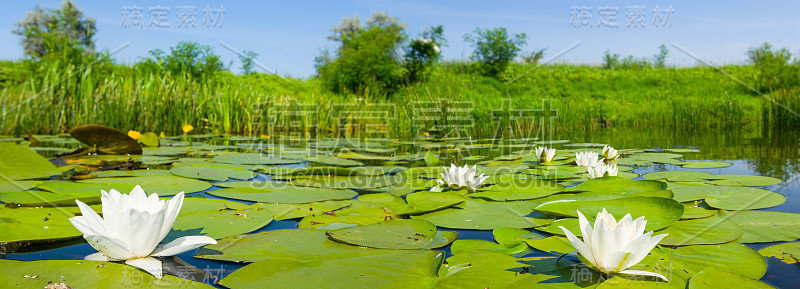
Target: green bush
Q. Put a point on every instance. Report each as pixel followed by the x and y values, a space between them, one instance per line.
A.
pixel 776 69
pixel 421 53
pixel 185 59
pixel 494 49
pixel 366 59
pixel 46 31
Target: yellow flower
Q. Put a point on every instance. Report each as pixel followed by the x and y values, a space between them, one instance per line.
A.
pixel 426 133
pixel 187 128
pixel 134 134
pixel 162 134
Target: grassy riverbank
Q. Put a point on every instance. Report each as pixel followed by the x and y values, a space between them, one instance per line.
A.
pixel 54 98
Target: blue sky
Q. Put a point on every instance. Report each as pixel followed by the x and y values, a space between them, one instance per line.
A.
pixel 287 35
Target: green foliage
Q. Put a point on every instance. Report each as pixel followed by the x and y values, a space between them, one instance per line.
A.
pixel 45 31
pixel 495 49
pixel 776 69
pixel 421 53
pixel 367 57
pixel 533 57
pixel 247 58
pixel 661 57
pixel 611 61
pixel 187 58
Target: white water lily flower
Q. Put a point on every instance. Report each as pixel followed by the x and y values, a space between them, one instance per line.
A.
pixel 545 155
pixel 587 159
pixel 600 170
pixel 132 227
pixel 612 247
pixel 610 153
pixel 461 177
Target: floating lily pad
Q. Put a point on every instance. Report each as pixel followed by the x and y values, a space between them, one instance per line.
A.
pixel 294 211
pixel 212 172
pixel 552 244
pixel 333 161
pixel 659 212
pixel 509 241
pixel 106 140
pixel 693 210
pixel 703 164
pixel 359 213
pixel 678 176
pixel 84 274
pixel 223 219
pixel 161 185
pixel 423 202
pixel 482 215
pixel 744 180
pixel 686 261
pixel 727 197
pixel 288 195
pixel 348 182
pixel 519 190
pixel 715 278
pixel 764 226
pixel 252 159
pixel 617 185
pixel 706 231
pixel 786 252
pixel 15 186
pixel 20 163
pixel 36 224
pixel 392 234
pixel 324 171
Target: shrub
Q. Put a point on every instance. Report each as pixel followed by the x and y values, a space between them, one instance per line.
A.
pixel 494 49
pixel 776 69
pixel 421 53
pixel 186 59
pixel 367 57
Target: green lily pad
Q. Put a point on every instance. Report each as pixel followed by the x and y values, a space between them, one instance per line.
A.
pixel 224 219
pixel 482 215
pixel 786 252
pixel 20 163
pixel 392 234
pixel 509 241
pixel 149 139
pixel 36 224
pixel 686 261
pixel 521 189
pixel 678 176
pixel 430 159
pixel 764 226
pixel 161 185
pixel 359 213
pixel 15 186
pixel 333 161
pixel 744 180
pixel 715 278
pixel 632 162
pixel 348 182
pixel 166 151
pixel 727 197
pixel 252 159
pixel 423 202
pixel 703 164
pixel 84 274
pixel 294 211
pixel 706 231
pixel 552 244
pixel 212 172
pixel 692 210
pixel 106 140
pixel 659 212
pixel 617 185
pixel 287 195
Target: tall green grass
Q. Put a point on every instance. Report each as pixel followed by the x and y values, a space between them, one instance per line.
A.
pixel 453 102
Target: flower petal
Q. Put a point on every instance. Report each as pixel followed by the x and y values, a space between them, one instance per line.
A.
pixel 80 223
pixel 92 219
pixel 110 247
pixel 644 273
pixel 98 257
pixel 579 246
pixel 183 244
pixel 173 207
pixel 149 264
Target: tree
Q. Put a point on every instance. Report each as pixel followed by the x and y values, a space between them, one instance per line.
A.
pixel 661 57
pixel 367 56
pixel 421 52
pixel 775 67
pixel 185 59
pixel 45 31
pixel 495 49
pixel 247 58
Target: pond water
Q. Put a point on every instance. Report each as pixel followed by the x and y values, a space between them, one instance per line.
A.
pixel 750 152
